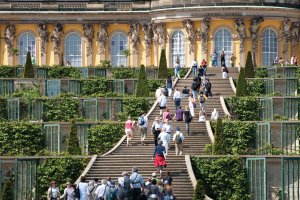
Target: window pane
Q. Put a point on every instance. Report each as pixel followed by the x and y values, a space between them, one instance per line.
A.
pixel 118 45
pixel 223 41
pixel 26 43
pixel 269 47
pixel 73 49
pixel 178 48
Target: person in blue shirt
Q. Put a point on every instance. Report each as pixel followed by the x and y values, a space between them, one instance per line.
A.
pixel 159 157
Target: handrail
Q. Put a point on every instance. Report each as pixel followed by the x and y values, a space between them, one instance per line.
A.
pixel 232 85
pixel 224 107
pixel 188 73
pixel 88 167
pixel 190 170
pixel 210 132
pixel 115 147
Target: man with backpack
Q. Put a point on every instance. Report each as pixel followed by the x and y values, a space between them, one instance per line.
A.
pixel 178 139
pixel 137 183
pixel 112 192
pixel 143 123
pixel 124 190
pixel 194 88
pixel 207 87
pixel 187 117
pixel 202 98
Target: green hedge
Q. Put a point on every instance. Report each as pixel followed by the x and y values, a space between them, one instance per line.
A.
pixel 7 72
pixel 21 138
pixel 61 170
pixel 260 72
pixel 243 108
pixel 134 107
pixel 256 87
pixel 92 87
pixel 236 137
pixel 59 72
pixel 103 137
pixel 124 73
pixel 223 178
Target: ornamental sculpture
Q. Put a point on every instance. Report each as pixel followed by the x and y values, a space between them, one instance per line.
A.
pixel 254 28
pixel 88 33
pixel 56 37
pixel 285 30
pixel 241 29
pixel 10 34
pixel 295 34
pixel 102 37
pixel 44 35
pixel 134 37
pixel 190 29
pixel 159 34
pixel 203 33
pixel 148 32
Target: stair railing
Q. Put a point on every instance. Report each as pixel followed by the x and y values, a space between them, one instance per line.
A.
pixel 210 132
pixel 232 85
pixel 225 109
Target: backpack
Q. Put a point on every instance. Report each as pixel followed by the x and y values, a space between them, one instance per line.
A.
pixel 141 121
pixel 194 86
pixel 178 139
pixel 127 183
pixel 112 195
pixel 202 99
pixel 169 117
pixel 188 117
pixel 168 197
pixel 208 86
pixel 77 192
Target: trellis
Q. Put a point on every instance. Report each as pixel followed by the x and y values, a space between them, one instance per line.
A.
pixel 269 86
pixel 90 109
pixel 118 86
pixel 53 137
pixel 290 108
pixel 263 136
pixel 84 72
pixel 82 130
pixel 290 174
pixel 266 109
pixel 53 87
pixel 74 86
pixel 36 109
pixel 290 136
pixel 291 87
pixel 6 87
pixel 13 109
pixel 113 106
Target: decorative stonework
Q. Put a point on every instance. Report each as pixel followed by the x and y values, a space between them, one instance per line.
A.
pixel 88 33
pixel 10 34
pixel 72 5
pixel 56 37
pixel 295 35
pixel 148 32
pixel 190 29
pixel 254 28
pixel 44 35
pixel 25 5
pixel 134 37
pixel 159 34
pixel 241 29
pixel 285 31
pixel 102 37
pixel 203 33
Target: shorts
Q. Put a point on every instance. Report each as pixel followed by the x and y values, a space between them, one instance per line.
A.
pixel 143 131
pixel 129 132
pixel 162 107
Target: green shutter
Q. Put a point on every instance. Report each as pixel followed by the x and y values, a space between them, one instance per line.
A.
pixel 118 86
pixel 290 137
pixel 266 109
pixel 291 87
pixel 36 109
pixel 42 73
pixel 263 135
pixel 13 109
pixel 100 72
pixel 290 174
pixel 290 108
pixel 53 88
pixel 6 87
pixel 272 72
pixel 82 131
pixel 74 86
pixel 289 72
pixel 84 71
pixel 53 137
pixel 90 109
pixel 269 86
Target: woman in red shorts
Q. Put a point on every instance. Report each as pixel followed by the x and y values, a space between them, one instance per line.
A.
pixel 159 157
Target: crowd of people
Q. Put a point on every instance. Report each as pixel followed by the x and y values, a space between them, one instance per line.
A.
pixel 280 61
pixel 128 187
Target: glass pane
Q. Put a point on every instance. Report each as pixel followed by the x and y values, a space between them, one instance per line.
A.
pixel 26 43
pixel 118 45
pixel 73 47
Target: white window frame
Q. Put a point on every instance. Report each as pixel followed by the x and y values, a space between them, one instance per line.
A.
pixel 224 43
pixel 178 48
pixel 25 38
pixel 73 51
pixel 118 43
pixel 269 48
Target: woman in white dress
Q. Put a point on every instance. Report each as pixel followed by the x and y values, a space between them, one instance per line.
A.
pixel 83 188
pixel 53 192
pixel 69 192
pixel 192 104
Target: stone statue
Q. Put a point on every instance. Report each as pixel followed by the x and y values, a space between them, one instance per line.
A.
pixel 10 34
pixel 102 37
pixel 148 32
pixel 159 31
pixel 285 30
pixel 88 32
pixel 254 28
pixel 44 35
pixel 190 29
pixel 134 37
pixel 56 37
pixel 241 29
pixel 203 33
pixel 295 35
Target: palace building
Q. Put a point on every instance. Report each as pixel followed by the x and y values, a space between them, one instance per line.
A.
pixel 131 33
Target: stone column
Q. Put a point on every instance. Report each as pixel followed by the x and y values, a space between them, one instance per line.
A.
pixel 102 38
pixel 285 30
pixel 204 36
pixel 190 29
pixel 56 38
pixel 241 36
pixel 44 38
pixel 159 37
pixel 10 34
pixel 148 35
pixel 88 33
pixel 134 39
pixel 254 28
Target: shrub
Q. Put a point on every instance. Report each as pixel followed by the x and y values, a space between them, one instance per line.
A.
pixel 64 72
pixel 7 72
pixel 249 68
pixel 182 73
pixel 28 72
pixel 154 84
pixel 59 169
pixel 103 137
pixel 243 108
pixel 123 73
pixel 73 147
pixel 260 72
pixel 223 178
pixel 8 191
pixel 142 87
pixel 199 191
pixel 241 89
pixel 236 137
pixel 256 87
pixel 135 106
pixel 163 67
pixel 61 109
pixel 21 138
pixel 3 109
pixel 91 87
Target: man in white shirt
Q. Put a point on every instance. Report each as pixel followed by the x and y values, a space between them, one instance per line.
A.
pixel 137 182
pixel 168 127
pixel 214 114
pixel 162 104
pixel 194 67
pixel 124 186
pixel 102 190
pixel 177 98
pixel 165 138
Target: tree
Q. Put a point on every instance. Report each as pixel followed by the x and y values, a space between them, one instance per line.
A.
pixel 61 60
pixel 28 72
pixel 241 89
pixel 73 147
pixel 163 68
pixel 199 193
pixel 8 192
pixel 142 86
pixel 249 68
pixel 217 146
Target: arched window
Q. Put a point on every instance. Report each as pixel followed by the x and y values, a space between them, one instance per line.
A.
pixel 178 48
pixel 26 43
pixel 118 44
pixel 269 47
pixel 73 49
pixel 223 42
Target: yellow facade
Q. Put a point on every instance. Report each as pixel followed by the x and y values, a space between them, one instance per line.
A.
pixel 171 26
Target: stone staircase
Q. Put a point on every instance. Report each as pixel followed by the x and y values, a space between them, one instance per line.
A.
pixel 123 158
